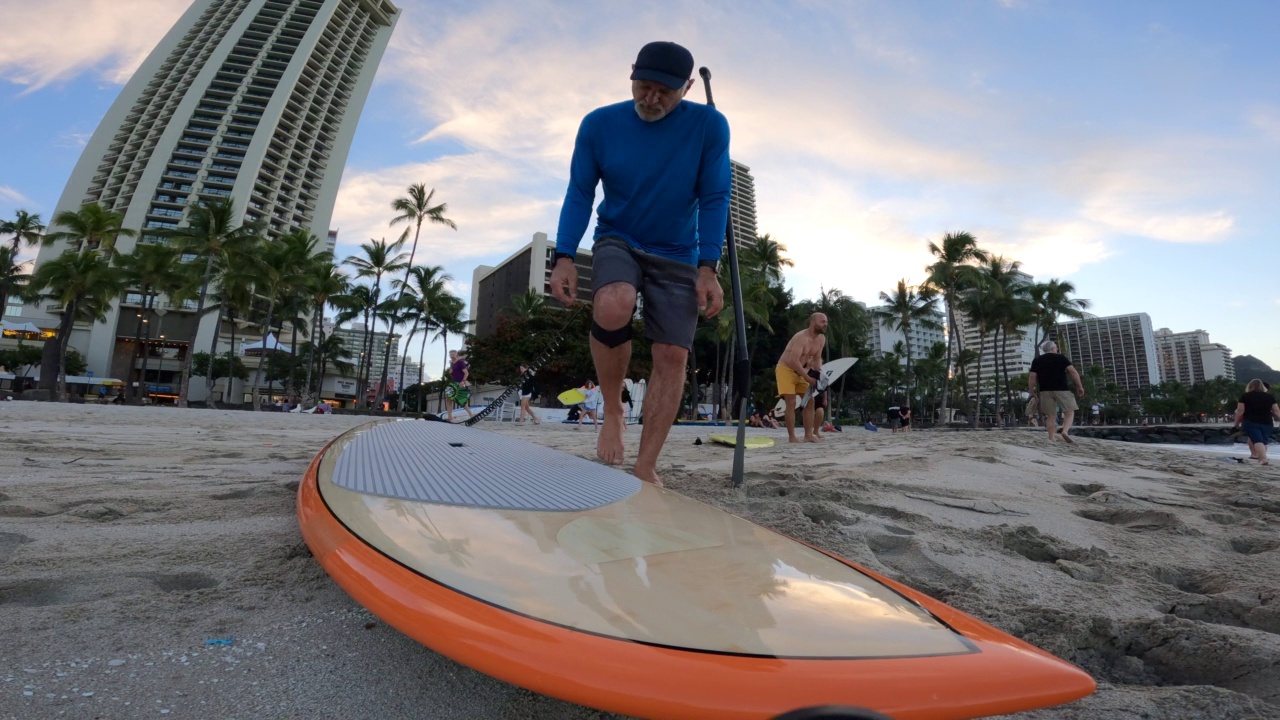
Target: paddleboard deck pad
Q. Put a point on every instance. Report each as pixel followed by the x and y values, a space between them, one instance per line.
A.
pixel 751 441
pixel 573 579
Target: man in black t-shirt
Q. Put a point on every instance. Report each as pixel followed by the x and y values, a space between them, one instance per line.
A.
pixel 1049 372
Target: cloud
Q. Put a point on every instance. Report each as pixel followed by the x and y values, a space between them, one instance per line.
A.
pixel 12 197
pixel 1266 120
pixel 484 197
pixel 1048 248
pixel 55 40
pixel 72 140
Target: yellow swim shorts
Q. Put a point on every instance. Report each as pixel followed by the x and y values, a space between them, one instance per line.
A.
pixel 789 381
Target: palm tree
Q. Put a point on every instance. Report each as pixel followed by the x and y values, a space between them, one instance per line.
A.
pixel 359 301
pixel 1009 311
pixel 26 229
pixel 426 288
pixel 84 283
pixel 92 226
pixel 12 279
pixel 448 318
pixel 151 269
pixel 904 309
pixel 212 234
pixel 323 281
pixel 954 270
pixel 767 255
pixel 380 258
pixel 330 351
pixel 979 307
pixel 279 268
pixel 526 306
pixel 415 207
pixel 1051 301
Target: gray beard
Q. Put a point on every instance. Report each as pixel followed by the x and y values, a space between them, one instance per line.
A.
pixel 646 119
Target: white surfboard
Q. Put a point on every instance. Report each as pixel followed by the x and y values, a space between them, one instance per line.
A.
pixel 830 373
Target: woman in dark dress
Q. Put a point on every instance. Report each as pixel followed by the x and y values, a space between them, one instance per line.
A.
pixel 1254 412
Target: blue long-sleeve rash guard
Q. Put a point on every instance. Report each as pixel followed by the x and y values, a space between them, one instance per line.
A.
pixel 666 183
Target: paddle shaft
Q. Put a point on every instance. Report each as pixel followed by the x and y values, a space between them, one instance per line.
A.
pixel 742 361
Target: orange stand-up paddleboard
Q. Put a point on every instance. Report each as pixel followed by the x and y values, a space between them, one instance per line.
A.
pixel 576 580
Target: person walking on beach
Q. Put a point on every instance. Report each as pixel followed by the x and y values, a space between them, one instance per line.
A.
pixel 799 369
pixel 526 395
pixel 1254 412
pixel 664 164
pixel 591 405
pixel 460 374
pixel 1049 372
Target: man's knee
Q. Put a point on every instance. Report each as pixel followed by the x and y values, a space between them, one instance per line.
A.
pixel 613 305
pixel 667 355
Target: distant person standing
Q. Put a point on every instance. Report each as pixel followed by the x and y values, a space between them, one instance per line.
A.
pixel 894 418
pixel 1254 413
pixel 905 414
pixel 526 395
pixel 1049 372
pixel 591 405
pixel 798 370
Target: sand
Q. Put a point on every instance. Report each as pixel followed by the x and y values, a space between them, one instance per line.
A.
pixel 136 542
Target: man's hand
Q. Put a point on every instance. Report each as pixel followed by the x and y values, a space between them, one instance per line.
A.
pixel 1079 391
pixel 710 294
pixel 564 275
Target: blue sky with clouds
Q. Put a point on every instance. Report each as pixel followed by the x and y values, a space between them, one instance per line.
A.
pixel 1132 148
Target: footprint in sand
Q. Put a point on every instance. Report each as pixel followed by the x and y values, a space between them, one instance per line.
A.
pixel 905 554
pixel 9 544
pixel 1138 521
pixel 1083 490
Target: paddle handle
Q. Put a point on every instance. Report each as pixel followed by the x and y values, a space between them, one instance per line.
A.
pixel 742 361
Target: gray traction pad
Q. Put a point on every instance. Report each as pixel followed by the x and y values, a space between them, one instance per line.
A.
pixel 447 464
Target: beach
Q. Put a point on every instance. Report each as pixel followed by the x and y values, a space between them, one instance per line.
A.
pixel 151 563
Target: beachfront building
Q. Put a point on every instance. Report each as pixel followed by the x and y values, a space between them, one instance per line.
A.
pixel 493 288
pixel 742 205
pixel 882 338
pixel 1190 358
pixel 355 338
pixel 1123 345
pixel 252 100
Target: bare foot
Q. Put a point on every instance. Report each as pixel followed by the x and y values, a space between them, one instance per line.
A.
pixel 609 442
pixel 793 439
pixel 649 476
pixel 812 438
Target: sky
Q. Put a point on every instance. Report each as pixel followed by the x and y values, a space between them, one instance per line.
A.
pixel 1130 148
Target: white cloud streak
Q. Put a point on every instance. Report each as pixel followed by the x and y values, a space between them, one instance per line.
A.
pixel 59 39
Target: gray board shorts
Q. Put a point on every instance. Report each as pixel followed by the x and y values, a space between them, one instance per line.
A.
pixel 668 288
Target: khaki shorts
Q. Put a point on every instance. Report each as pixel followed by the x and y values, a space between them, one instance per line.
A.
pixel 1064 399
pixel 789 381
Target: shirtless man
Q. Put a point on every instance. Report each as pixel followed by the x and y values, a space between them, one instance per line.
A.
pixel 798 369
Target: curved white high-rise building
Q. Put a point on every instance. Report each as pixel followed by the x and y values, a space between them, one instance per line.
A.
pixel 256 100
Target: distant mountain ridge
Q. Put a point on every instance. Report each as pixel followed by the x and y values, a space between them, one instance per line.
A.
pixel 1249 367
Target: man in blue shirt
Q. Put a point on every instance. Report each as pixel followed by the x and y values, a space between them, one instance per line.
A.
pixel 664 164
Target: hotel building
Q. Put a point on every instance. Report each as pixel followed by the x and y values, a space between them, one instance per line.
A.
pixel 529 268
pixel 1123 345
pixel 1190 358
pixel 252 100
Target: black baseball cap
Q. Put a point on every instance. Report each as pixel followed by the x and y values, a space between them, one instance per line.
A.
pixel 664 62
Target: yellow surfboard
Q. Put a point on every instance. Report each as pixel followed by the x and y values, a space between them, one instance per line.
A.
pixel 750 442
pixel 571 397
